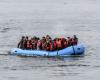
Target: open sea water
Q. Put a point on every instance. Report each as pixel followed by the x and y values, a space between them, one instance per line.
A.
pixel 58 18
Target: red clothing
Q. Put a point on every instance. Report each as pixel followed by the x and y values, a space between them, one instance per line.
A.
pixel 74 41
pixel 47 48
pixel 28 45
pixel 39 43
pixel 65 44
pixel 51 46
pixel 69 42
pixel 59 45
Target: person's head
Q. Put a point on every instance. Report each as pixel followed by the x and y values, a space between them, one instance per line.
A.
pixel 68 37
pixel 43 37
pixel 47 36
pixel 23 37
pixel 26 37
pixel 74 36
pixel 37 38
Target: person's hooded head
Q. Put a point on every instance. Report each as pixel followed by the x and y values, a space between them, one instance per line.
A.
pixel 75 36
pixel 26 37
pixel 47 36
pixel 43 37
pixel 23 37
pixel 68 37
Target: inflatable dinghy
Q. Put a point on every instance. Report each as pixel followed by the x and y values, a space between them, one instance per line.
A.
pixel 69 51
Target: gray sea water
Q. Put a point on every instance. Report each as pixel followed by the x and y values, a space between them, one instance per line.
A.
pixel 57 18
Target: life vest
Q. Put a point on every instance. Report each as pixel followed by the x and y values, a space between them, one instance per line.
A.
pixel 33 45
pixel 47 48
pixel 59 44
pixel 28 44
pixel 65 43
pixel 43 46
pixel 39 43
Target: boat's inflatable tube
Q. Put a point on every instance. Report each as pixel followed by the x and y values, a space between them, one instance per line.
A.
pixel 72 50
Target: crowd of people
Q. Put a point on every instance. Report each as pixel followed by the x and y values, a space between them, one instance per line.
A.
pixel 46 43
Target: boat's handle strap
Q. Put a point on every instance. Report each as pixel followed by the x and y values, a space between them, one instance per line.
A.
pixel 73 50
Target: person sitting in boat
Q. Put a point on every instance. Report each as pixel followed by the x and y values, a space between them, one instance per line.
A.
pixel 58 42
pixel 43 40
pixel 32 43
pixel 39 45
pixel 48 37
pixel 75 40
pixel 55 44
pixel 46 44
pixel 26 38
pixel 21 43
pixel 52 47
pixel 64 43
pixel 69 41
pixel 36 40
pixel 28 44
